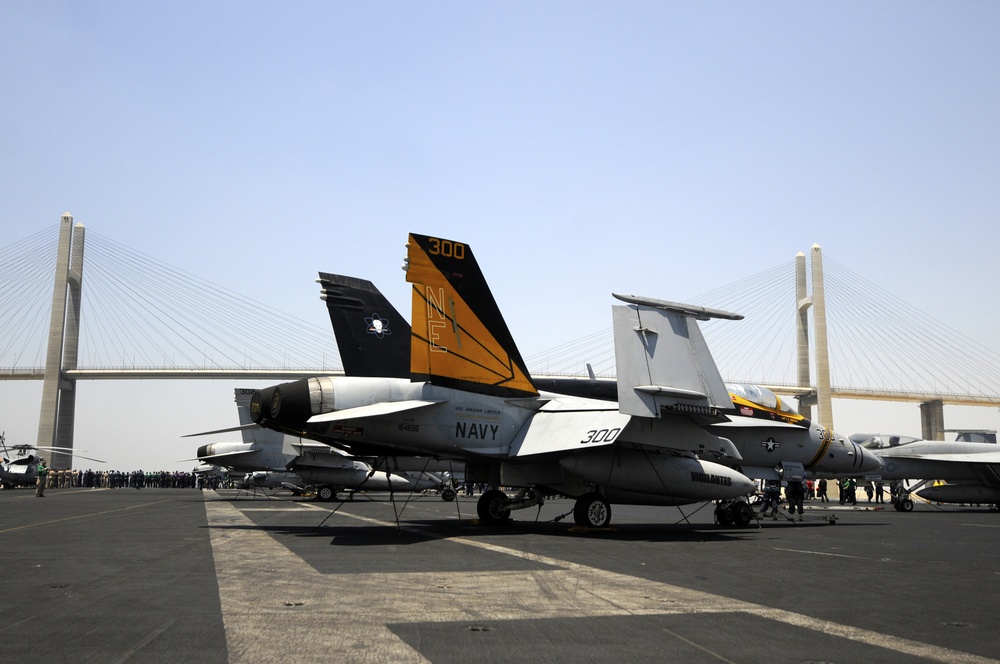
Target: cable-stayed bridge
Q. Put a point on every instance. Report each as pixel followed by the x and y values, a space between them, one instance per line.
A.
pixel 143 318
pixel 880 347
pixel 115 313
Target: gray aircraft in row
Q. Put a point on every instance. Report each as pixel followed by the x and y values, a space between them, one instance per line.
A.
pixel 271 459
pixel 968 467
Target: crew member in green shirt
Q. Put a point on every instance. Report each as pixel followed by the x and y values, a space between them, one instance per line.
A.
pixel 41 475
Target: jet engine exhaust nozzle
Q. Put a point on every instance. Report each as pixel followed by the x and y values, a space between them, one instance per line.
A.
pixel 285 406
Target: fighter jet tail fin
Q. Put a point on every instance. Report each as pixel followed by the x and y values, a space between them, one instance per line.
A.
pixel 373 338
pixel 663 362
pixel 459 339
pixel 243 397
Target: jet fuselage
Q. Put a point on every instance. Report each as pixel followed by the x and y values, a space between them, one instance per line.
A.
pixel 822 452
pixel 933 459
pixel 245 457
pixel 403 417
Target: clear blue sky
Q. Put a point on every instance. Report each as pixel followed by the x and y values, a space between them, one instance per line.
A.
pixel 581 148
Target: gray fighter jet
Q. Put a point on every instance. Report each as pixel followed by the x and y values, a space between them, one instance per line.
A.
pixel 970 470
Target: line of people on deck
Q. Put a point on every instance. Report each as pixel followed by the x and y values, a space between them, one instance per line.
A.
pixel 117 479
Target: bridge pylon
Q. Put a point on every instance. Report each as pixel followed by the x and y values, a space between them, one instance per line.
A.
pixel 58 411
pixel 932 420
pixel 821 395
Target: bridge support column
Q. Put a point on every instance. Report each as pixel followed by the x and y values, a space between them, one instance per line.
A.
pixel 802 304
pixel 824 402
pixel 932 420
pixel 57 415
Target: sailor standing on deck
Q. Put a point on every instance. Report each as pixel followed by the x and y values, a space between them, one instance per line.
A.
pixel 41 475
pixel 795 493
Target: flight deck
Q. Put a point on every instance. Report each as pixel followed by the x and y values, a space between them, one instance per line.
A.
pixel 178 574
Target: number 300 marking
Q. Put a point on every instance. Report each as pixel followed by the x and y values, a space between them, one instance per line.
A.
pixel 447 248
pixel 600 436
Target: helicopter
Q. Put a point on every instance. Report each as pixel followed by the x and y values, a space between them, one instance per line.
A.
pixel 23 469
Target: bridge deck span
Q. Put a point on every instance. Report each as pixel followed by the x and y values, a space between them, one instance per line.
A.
pixel 983 400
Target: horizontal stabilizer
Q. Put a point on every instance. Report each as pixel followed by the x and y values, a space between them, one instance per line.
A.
pixel 374 410
pixel 209 458
pixel 229 430
pixel 664 364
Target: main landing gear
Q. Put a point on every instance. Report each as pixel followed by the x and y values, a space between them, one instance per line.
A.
pixel 900 495
pixel 494 506
pixel 734 513
pixel 903 504
pixel 591 510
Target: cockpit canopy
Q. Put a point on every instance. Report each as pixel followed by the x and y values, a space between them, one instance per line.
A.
pixel 882 441
pixel 760 396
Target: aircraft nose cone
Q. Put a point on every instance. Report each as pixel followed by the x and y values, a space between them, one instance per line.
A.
pixel 869 462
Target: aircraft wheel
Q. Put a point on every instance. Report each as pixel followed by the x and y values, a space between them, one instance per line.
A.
pixel 448 495
pixel 491 508
pixel 326 493
pixel 742 514
pixel 724 515
pixel 592 511
pixel 906 505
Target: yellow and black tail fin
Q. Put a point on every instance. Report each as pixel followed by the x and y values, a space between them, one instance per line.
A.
pixel 459 338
